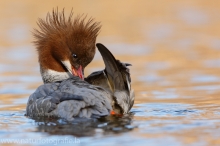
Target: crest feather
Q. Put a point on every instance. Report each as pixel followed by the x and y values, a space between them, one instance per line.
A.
pixel 56 25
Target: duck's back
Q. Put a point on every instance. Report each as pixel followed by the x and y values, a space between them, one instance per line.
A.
pixel 68 99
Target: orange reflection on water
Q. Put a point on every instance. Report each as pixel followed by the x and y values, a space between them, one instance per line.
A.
pixel 174 47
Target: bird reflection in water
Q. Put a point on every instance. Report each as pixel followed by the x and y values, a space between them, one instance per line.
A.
pixel 81 127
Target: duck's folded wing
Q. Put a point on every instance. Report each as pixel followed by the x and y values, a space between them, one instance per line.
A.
pixel 115 78
pixel 125 99
pixel 72 98
pixel 99 78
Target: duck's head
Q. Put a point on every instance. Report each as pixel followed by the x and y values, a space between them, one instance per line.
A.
pixel 65 45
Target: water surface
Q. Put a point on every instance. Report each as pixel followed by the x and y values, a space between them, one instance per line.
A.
pixel 174 48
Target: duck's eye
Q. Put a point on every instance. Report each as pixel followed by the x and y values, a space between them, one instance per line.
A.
pixel 74 56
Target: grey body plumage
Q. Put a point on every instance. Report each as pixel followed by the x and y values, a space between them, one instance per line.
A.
pixel 68 99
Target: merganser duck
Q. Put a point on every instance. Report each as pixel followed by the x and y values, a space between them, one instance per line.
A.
pixel 65 47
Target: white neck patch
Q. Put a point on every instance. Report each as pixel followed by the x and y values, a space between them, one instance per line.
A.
pixel 49 75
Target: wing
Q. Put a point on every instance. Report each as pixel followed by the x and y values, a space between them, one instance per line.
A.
pixel 116 79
